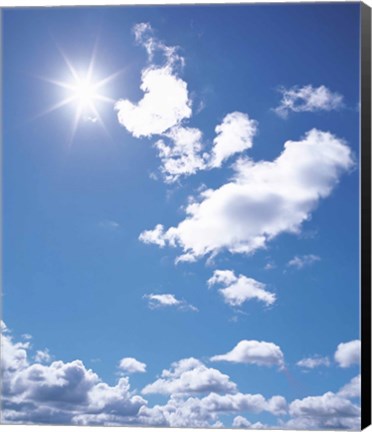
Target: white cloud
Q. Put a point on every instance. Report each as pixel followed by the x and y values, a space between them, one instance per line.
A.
pixel 109 225
pixel 348 353
pixel 352 389
pixel 243 423
pixel 234 135
pixel 154 236
pixel 239 289
pixel 132 365
pixel 204 412
pixel 303 261
pixel 156 301
pixel 183 156
pixel 324 412
pixel 314 362
pixel 308 98
pixel 42 356
pixel 164 104
pixel 254 352
pixel 189 376
pixel 263 200
pixel 59 393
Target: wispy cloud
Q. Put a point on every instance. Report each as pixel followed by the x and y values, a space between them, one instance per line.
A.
pixel 303 261
pixel 157 301
pixel 308 98
pixel 314 362
pixel 110 225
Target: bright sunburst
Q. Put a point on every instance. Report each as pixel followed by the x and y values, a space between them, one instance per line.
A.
pixel 83 92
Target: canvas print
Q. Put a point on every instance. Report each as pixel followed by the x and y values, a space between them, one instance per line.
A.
pixel 181 216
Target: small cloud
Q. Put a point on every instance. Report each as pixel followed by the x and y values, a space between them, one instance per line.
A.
pixel 109 225
pixel 43 356
pixel 270 265
pixel 348 353
pixel 308 98
pixel 239 289
pixel 314 362
pixel 159 301
pixel 303 261
pixel 131 365
pixel 234 135
pixel 254 352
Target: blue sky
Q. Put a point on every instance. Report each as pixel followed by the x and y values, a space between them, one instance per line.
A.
pixel 187 221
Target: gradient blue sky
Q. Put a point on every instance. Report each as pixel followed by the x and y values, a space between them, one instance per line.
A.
pixel 77 278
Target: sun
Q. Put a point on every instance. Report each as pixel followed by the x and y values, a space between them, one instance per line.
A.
pixel 83 91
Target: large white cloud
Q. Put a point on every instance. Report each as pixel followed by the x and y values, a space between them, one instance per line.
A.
pixel 308 98
pixel 59 393
pixel 263 200
pixel 327 411
pixel 204 412
pixel 190 376
pixel 348 353
pixel 254 352
pixel 239 289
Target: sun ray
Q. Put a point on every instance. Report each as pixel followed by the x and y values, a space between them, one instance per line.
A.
pixel 83 92
pixel 56 106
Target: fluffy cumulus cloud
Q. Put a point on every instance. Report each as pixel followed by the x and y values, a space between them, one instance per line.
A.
pixel 131 365
pixel 42 356
pixel 329 411
pixel 183 153
pixel 348 353
pixel 69 393
pixel 308 98
pixel 314 362
pixel 234 135
pixel 352 389
pixel 300 262
pixel 157 301
pixel 166 105
pixel 190 376
pixel 165 102
pixel 243 423
pixel 254 352
pixel 204 412
pixel 59 393
pixel 263 200
pixel 239 289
